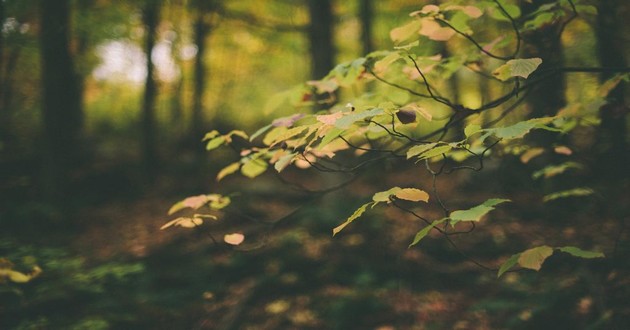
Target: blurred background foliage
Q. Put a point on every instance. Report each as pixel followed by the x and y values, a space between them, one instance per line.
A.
pixel 94 150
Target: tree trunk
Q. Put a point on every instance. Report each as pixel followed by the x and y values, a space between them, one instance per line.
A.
pixel 320 35
pixel 612 132
pixel 547 97
pixel 366 14
pixel 62 113
pixel 201 28
pixel 149 148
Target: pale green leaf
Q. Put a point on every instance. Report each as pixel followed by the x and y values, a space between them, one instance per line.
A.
pixel 353 217
pixel 215 143
pixel 259 132
pixel 534 258
pixel 232 168
pixel 382 64
pixel 217 201
pixel 577 252
pixel 508 264
pixel 477 212
pixel 332 134
pixel 210 135
pixel 412 194
pixel 437 151
pixel 553 170
pixel 253 168
pixel 521 67
pixel 284 161
pixel 425 231
pixel 384 196
pixel 471 129
pixel 419 149
pixel 405 32
pixel 568 193
pixel 349 119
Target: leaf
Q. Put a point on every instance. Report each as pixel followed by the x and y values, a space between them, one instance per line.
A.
pixel 349 119
pixel 508 264
pixel 519 129
pixel 287 121
pixel 577 252
pixel 530 154
pixel 382 64
pixel 471 129
pixel 534 258
pixel 521 67
pixel 353 217
pixel 568 193
pixel 234 239
pixel 412 194
pixel 210 135
pixel 329 119
pixel 553 170
pixel 404 32
pixel 232 168
pixel 419 149
pixel 563 150
pixel 259 132
pixel 18 277
pixel 437 151
pixel 434 31
pixel 184 222
pixel 215 143
pixel 218 202
pixel 477 212
pixel 384 196
pixel 253 168
pixel 422 233
pixel 284 161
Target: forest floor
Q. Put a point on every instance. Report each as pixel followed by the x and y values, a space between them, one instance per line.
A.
pixel 117 269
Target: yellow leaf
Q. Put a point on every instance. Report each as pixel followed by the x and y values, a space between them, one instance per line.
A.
pixel 412 194
pixel 234 239
pixel 228 170
pixel 530 154
pixel 534 258
pixel 404 32
pixel 434 31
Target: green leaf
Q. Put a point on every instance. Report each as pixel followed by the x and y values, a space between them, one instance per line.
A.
pixel 349 119
pixel 382 64
pixel 284 161
pixel 425 231
pixel 232 168
pixel 437 151
pixel 353 217
pixel 477 212
pixel 553 170
pixel 210 135
pixel 419 149
pixel 577 252
pixel 508 264
pixel 471 129
pixel 568 193
pixel 332 134
pixel 215 143
pixel 253 168
pixel 521 67
pixel 218 202
pixel 519 129
pixel 534 258
pixel 259 132
pixel 384 196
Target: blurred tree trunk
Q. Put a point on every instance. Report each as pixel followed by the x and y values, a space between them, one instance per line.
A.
pixel 201 30
pixel 320 35
pixel 366 16
pixel 612 132
pixel 149 147
pixel 61 105
pixel 548 96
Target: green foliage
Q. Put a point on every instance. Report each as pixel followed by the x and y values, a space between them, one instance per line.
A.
pixel 410 118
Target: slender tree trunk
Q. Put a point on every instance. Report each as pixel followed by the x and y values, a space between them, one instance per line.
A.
pixel 62 113
pixel 149 147
pixel 202 28
pixel 612 132
pixel 366 16
pixel 320 35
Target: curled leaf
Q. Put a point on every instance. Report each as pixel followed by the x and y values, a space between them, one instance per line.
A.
pixel 184 222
